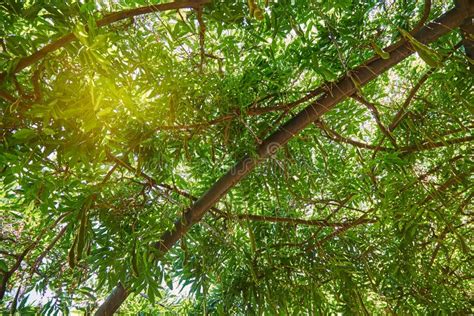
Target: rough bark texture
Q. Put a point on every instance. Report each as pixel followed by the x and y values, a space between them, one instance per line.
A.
pixel 467 28
pixel 336 93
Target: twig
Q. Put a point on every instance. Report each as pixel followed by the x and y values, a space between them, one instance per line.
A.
pixel 339 138
pixel 293 221
pixel 376 116
pixel 202 33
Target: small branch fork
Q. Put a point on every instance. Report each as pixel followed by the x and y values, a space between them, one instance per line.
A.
pixel 422 146
pixel 251 217
pixel 376 115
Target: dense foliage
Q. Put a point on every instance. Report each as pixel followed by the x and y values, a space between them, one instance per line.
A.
pixel 107 141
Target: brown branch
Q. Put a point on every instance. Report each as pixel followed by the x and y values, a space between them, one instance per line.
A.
pixel 438 246
pixel 6 96
pixel 51 245
pixel 467 30
pixel 36 84
pixel 7 238
pixel 424 17
pixel 337 92
pixel 202 33
pixel 424 145
pixel 252 111
pixel 423 176
pixel 431 145
pixel 6 275
pixel 360 221
pixel 455 179
pixel 106 20
pixel 15 301
pixel 153 182
pixel 292 221
pixel 402 111
pixel 6 253
pixel 376 116
pixel 448 229
pixel 18 87
pixel 332 134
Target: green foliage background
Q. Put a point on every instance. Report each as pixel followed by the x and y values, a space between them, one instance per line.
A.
pixel 135 90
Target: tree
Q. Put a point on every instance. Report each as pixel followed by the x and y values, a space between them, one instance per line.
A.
pixel 123 122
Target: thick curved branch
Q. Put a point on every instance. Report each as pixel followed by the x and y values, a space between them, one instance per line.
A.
pixel 108 19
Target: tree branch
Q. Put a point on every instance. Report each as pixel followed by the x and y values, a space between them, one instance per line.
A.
pixel 332 134
pixel 360 221
pixel 431 145
pixel 51 245
pixel 6 96
pixel 202 33
pixel 252 111
pixel 376 116
pixel 292 221
pixel 21 257
pixel 402 111
pixel 455 179
pixel 108 19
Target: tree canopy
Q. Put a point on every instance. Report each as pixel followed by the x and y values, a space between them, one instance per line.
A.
pixel 236 157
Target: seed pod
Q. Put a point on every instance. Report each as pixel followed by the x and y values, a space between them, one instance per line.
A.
pixel 258 14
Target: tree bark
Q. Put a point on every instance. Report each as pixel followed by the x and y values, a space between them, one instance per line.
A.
pixel 467 29
pixel 113 301
pixel 335 93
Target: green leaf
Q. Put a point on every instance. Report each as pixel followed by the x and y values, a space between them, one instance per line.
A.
pixel 49 131
pixel 3 266
pixel 24 134
pixel 379 51
pixel 429 56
